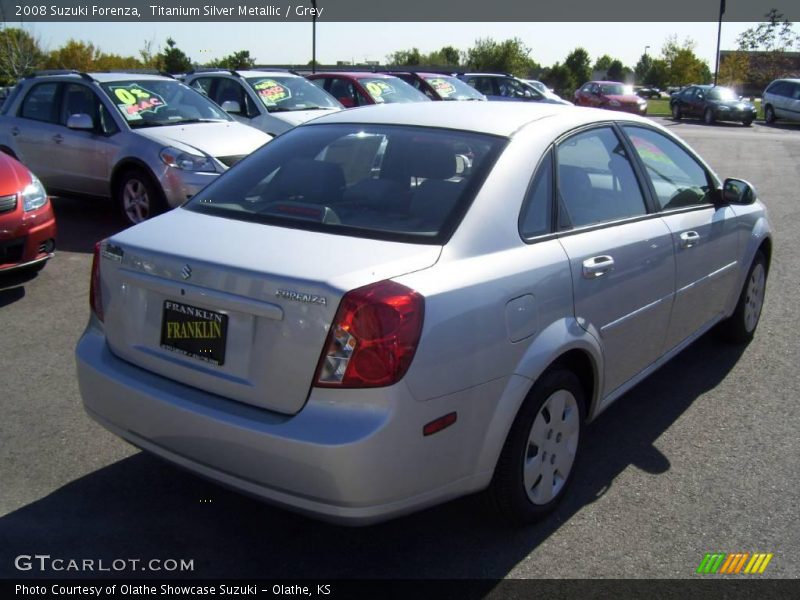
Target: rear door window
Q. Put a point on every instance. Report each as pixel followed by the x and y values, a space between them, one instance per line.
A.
pixel 40 103
pixel 596 182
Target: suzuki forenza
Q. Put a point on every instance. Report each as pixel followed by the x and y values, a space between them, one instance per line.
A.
pixel 390 307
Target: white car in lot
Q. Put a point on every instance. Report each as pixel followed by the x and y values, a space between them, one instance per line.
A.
pixel 781 100
pixel 147 141
pixel 272 101
pixel 355 324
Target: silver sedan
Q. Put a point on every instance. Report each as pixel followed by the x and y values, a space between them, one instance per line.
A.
pixel 388 308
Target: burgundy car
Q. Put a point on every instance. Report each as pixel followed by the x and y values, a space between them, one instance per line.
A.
pixel 439 86
pixel 612 95
pixel 27 224
pixel 361 88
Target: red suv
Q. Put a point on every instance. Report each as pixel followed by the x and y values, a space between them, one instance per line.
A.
pixel 612 95
pixel 27 223
pixel 360 88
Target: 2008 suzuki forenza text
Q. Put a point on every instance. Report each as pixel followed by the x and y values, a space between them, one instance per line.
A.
pixel 387 308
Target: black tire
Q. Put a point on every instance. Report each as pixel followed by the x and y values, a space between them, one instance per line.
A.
pixel 740 327
pixel 708 116
pixel 747 122
pixel 138 196
pixel 769 114
pixel 676 112
pixel 508 494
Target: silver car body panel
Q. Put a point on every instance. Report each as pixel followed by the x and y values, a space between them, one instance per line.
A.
pixel 499 310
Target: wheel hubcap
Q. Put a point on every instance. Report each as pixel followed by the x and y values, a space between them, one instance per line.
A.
pixel 552 444
pixel 754 298
pixel 135 201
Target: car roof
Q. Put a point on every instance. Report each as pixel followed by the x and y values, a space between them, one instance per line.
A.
pixel 482 117
pixel 471 74
pixel 106 77
pixel 353 74
pixel 246 73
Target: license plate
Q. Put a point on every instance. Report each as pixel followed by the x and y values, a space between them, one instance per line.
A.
pixel 194 332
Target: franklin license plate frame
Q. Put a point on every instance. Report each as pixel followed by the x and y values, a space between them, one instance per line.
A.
pixel 195 332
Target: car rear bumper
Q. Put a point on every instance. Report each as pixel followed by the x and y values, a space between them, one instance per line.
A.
pixel 354 457
pixel 30 241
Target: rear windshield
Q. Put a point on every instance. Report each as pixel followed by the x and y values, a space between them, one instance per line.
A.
pixel 379 181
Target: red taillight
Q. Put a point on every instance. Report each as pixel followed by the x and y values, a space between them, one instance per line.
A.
pixel 95 297
pixel 373 337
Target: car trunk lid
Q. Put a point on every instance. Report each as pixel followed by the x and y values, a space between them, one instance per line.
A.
pixel 236 308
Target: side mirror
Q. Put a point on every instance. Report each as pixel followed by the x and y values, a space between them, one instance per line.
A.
pixel 80 121
pixel 346 101
pixel 738 191
pixel 232 106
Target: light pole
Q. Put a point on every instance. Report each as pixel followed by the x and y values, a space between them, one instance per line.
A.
pixel 645 50
pixel 314 37
pixel 719 36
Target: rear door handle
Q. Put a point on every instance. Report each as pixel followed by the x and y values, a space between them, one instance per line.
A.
pixel 597 266
pixel 689 239
pixel 58 138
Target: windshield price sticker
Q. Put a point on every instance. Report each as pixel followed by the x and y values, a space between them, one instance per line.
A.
pixel 377 89
pixel 271 92
pixel 443 87
pixel 136 100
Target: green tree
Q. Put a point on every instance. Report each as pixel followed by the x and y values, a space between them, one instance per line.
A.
pixel 173 60
pixel 75 54
pixel 658 74
pixel 579 65
pixel 20 53
pixel 772 39
pixel 405 57
pixel 617 71
pixel 237 60
pixel 561 80
pixel 447 56
pixel 683 65
pixel 603 63
pixel 734 69
pixel 642 68
pixel 509 56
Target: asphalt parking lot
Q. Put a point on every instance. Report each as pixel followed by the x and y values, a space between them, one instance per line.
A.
pixel 701 457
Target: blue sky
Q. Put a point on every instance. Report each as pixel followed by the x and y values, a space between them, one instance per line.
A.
pixel 279 43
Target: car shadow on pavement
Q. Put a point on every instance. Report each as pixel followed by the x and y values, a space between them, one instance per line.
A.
pixel 141 507
pixel 83 222
pixel 12 285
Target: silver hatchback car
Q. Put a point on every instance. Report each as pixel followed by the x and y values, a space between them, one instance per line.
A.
pixel 356 323
pixel 150 142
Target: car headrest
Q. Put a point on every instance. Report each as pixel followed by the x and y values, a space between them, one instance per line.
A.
pixel 310 181
pixel 432 161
